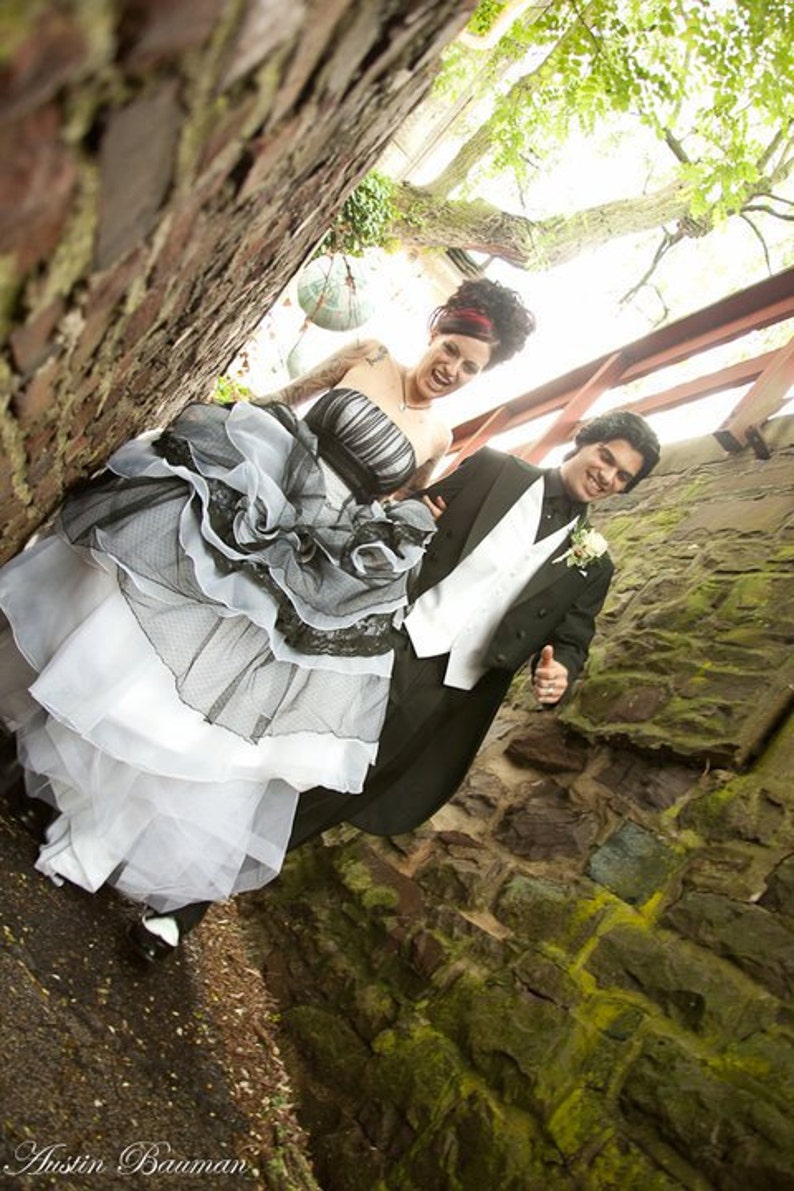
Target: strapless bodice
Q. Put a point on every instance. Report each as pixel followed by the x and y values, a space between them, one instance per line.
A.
pixel 361 442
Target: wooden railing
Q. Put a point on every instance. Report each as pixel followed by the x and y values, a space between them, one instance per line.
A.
pixel 769 374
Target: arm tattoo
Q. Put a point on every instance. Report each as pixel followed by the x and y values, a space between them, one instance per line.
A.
pixel 375 357
pixel 315 381
pixel 323 376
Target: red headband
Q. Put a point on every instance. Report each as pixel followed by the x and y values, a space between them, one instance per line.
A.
pixel 467 319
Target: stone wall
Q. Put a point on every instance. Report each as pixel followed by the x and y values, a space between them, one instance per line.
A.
pixel 165 167
pixel 581 973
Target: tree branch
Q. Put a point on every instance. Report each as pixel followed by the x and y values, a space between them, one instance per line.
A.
pixel 755 208
pixel 423 218
pixel 580 16
pixel 763 161
pixel 760 238
pixel 668 242
pixel 675 146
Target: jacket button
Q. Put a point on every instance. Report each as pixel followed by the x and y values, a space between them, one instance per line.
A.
pixel 542 612
pixel 501 657
pixel 521 634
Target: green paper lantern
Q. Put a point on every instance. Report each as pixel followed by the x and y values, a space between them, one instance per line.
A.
pixel 336 292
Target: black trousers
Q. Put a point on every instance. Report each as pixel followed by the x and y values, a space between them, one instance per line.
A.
pixel 419 704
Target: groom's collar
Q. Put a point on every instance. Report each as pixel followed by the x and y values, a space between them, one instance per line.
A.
pixel 555 490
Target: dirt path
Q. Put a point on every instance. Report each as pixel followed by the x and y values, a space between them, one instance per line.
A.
pixel 116 1075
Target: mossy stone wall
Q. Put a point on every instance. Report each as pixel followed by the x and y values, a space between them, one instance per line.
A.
pixel 580 974
pixel 165 168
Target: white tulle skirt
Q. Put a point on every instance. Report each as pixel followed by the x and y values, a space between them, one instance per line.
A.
pixel 173 731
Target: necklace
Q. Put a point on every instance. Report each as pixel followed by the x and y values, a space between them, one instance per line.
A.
pixel 404 402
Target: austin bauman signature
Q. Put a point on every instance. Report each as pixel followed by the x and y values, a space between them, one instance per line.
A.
pixel 139 1157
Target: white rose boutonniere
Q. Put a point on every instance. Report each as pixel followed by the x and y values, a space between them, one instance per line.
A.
pixel 587 545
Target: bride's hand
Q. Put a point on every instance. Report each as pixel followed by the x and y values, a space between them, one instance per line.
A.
pixel 436 507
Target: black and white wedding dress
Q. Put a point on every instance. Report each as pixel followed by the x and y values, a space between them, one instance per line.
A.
pixel 205 634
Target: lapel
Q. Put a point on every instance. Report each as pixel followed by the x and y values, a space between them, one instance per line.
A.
pixel 552 570
pixel 514 479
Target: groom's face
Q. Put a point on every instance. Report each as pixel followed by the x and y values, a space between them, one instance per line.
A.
pixel 600 469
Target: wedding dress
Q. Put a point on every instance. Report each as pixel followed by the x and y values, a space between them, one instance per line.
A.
pixel 204 634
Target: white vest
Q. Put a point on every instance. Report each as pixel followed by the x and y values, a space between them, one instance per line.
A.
pixel 461 613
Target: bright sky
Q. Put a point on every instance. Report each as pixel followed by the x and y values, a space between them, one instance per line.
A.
pixel 577 305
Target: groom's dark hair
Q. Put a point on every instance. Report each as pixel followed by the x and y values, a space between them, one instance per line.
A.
pixel 622 423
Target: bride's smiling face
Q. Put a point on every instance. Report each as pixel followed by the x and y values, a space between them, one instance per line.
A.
pixel 449 363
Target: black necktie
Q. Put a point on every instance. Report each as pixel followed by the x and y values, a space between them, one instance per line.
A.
pixel 555 512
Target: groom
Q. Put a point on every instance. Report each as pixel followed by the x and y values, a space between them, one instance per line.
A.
pixel 486 603
pixel 512 575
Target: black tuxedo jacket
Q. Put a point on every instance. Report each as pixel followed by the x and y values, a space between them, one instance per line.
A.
pixel 559 604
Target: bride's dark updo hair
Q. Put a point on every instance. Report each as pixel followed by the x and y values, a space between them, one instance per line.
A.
pixel 486 310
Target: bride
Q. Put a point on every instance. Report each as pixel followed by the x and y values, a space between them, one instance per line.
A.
pixel 205 632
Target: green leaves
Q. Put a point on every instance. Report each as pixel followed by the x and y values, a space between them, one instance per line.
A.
pixel 365 219
pixel 715 78
pixel 484 16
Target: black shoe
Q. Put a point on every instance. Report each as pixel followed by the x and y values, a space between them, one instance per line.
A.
pixel 146 944
pixel 10 771
pixel 31 813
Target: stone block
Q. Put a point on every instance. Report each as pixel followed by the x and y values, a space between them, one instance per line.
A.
pixel 266 25
pixel 144 317
pixel 693 989
pixel 736 870
pixel 544 743
pixel 508 1036
pixel 769 1056
pixel 153 31
pixel 732 515
pixel 329 1044
pixel 546 824
pixel 472 933
pixel 36 195
pixel 376 883
pixel 36 68
pixel 437 1136
pixel 480 794
pixel 105 291
pixel 742 808
pixel 718 1117
pixel 35 402
pixel 635 704
pixel 543 911
pixel 460 879
pixel 136 161
pixel 32 343
pixel 428 953
pixel 779 894
pixel 47 490
pixel 311 46
pixel 634 864
pixel 750 936
pixel 542 977
pixel 651 785
pixel 357 46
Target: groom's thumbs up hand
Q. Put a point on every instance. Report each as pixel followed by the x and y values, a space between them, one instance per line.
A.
pixel 550 680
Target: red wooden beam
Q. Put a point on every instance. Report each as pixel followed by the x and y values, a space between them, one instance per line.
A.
pixel 761 305
pixel 494 424
pixel 761 401
pixel 744 372
pixel 561 429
